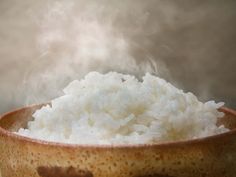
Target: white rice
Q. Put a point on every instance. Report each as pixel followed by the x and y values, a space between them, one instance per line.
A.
pixel 118 109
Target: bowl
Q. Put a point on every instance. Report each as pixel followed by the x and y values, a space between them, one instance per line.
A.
pixel 213 156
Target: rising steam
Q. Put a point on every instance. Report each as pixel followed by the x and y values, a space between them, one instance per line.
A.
pixel 71 44
pixel 47 44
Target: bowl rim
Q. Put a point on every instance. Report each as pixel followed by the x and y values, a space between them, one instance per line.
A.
pixel 14 136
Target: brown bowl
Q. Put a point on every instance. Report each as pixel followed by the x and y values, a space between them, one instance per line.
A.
pixel 213 156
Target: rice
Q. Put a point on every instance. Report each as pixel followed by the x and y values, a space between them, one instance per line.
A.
pixel 114 108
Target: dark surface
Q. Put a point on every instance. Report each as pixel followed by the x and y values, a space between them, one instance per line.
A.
pixel 62 172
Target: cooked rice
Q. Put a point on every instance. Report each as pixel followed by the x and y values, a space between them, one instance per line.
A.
pixel 114 108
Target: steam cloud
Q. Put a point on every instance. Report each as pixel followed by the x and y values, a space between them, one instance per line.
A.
pixel 73 43
pixel 47 44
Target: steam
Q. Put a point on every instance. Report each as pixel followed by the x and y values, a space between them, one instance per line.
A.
pixel 72 44
pixel 47 44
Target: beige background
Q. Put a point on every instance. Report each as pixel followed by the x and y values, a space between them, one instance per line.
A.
pixel 193 42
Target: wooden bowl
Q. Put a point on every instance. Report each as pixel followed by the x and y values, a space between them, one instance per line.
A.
pixel 213 156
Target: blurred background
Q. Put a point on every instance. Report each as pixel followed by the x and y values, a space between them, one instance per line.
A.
pixel 46 44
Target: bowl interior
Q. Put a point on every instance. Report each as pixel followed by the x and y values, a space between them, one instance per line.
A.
pixel 15 120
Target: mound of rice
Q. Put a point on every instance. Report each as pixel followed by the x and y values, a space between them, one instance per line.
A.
pixel 114 108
